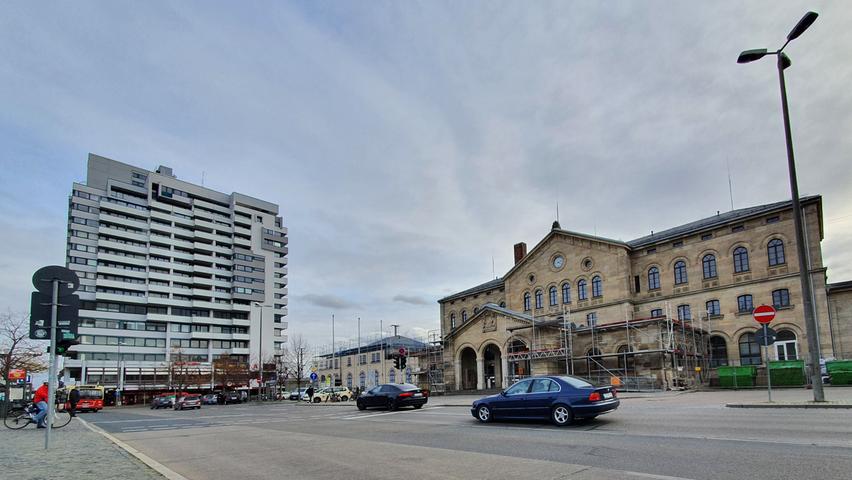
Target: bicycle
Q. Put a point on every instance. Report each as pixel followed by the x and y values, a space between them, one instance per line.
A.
pixel 18 418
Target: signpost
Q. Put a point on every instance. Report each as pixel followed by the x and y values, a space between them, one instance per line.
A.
pixel 766 337
pixel 313 376
pixel 52 283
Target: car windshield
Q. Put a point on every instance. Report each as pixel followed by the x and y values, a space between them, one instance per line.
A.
pixel 576 382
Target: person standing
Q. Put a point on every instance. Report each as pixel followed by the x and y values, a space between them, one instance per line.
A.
pixel 310 393
pixel 73 398
pixel 40 401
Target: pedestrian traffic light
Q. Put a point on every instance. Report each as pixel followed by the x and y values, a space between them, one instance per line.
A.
pixel 397 362
pixel 63 346
pixel 402 362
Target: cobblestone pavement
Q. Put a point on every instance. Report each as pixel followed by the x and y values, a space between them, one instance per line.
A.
pixel 75 453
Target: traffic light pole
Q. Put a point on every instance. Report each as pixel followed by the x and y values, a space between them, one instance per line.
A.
pixel 51 389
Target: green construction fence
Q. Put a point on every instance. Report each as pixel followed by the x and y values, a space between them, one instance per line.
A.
pixel 840 371
pixel 735 377
pixel 787 372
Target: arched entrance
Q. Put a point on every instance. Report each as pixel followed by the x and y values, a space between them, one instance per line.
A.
pixel 467 374
pixel 518 369
pixel 493 366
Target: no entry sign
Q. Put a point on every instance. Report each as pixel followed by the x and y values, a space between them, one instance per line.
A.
pixel 763 314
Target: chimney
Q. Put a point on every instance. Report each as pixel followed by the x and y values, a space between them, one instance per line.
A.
pixel 520 251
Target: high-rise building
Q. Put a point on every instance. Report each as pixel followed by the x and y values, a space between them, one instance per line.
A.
pixel 173 276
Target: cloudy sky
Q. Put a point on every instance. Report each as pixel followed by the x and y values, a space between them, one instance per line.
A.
pixel 408 143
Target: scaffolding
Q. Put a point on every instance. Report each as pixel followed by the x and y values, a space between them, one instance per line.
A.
pixel 435 362
pixel 673 352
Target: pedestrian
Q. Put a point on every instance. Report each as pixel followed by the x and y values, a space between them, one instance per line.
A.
pixel 40 400
pixel 310 393
pixel 73 398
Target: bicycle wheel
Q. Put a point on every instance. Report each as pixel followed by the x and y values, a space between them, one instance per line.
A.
pixel 61 418
pixel 17 419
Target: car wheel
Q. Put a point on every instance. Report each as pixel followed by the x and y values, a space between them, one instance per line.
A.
pixel 317 400
pixel 392 405
pixel 344 398
pixel 361 406
pixel 483 414
pixel 417 407
pixel 561 415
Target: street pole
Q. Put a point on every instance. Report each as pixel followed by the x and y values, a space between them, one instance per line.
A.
pixel 51 386
pixel 801 248
pixel 333 352
pixel 766 354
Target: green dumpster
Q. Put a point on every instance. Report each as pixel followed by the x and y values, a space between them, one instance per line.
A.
pixel 735 377
pixel 840 371
pixel 787 372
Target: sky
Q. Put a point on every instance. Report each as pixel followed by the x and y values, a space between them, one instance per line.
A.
pixel 411 144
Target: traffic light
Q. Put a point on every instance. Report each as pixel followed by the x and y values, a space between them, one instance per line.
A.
pixel 63 346
pixel 402 362
pixel 397 362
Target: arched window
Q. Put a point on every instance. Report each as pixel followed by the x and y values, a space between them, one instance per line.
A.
pixel 680 272
pixel 527 302
pixel 781 298
pixel 718 351
pixel 581 290
pixel 653 278
pixel 592 319
pixel 745 303
pixel 684 312
pixel 775 251
pixel 593 352
pixel 322 378
pixel 749 350
pixel 475 310
pixel 362 380
pixel 713 307
pixel 349 380
pixel 552 295
pixel 566 292
pixel 597 286
pixel 709 262
pixel 408 375
pixel 375 377
pixel 740 260
pixel 392 376
pixel 625 360
pixel 786 347
pixel 464 316
pixel 539 298
pixel 502 304
pixel 452 321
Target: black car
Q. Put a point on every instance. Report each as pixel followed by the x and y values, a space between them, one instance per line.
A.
pixel 210 399
pixel 558 398
pixel 393 396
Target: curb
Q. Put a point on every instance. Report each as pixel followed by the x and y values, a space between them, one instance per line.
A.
pixel 150 462
pixel 791 405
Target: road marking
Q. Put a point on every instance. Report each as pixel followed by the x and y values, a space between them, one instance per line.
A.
pixel 370 415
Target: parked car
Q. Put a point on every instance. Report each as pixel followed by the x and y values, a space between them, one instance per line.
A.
pixel 562 399
pixel 297 394
pixel 231 397
pixel 324 394
pixel 210 399
pixel 188 401
pixel 164 400
pixel 393 396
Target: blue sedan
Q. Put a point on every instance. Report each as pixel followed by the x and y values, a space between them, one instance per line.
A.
pixel 558 398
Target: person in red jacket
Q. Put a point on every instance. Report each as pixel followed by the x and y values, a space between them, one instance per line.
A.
pixel 40 400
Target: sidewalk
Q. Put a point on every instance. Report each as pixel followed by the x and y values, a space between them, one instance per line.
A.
pixel 75 452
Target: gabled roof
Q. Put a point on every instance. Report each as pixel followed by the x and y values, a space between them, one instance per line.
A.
pixel 489 285
pixel 715 221
pixel 494 308
pixel 387 342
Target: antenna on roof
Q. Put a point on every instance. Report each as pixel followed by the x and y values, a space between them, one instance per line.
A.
pixel 557 210
pixel 493 274
pixel 202 177
pixel 730 185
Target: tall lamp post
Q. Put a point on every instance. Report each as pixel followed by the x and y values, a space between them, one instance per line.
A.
pixel 260 348
pixel 804 265
pixel 118 375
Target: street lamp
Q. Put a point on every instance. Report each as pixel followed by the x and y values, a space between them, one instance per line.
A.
pixel 118 375
pixel 804 265
pixel 260 347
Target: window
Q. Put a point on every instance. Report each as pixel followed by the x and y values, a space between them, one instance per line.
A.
pixel 597 287
pixel 713 307
pixel 592 319
pixel 718 352
pixel 392 375
pixel 680 272
pixel 653 278
pixel 452 321
pixel 502 304
pixel 544 385
pixel 684 312
pixel 707 236
pixel 740 260
pixel 539 298
pixel 581 290
pixel 786 347
pixel 527 302
pixel 375 377
pixel 781 298
pixel 709 262
pixel 737 228
pixel 657 312
pixel 745 304
pixel 519 388
pixel 749 350
pixel 650 251
pixel 464 316
pixel 626 362
pixel 677 244
pixel 566 292
pixel 362 379
pixel 774 219
pixel 775 251
pixel 552 295
pixel 349 379
pixel 636 284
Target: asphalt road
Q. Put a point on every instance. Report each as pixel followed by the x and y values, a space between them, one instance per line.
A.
pixel 690 436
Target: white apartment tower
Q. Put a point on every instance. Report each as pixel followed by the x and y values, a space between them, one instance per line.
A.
pixel 171 271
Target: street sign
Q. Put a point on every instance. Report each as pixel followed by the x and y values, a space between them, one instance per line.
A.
pixel 66 316
pixel 765 336
pixel 314 376
pixel 402 350
pixel 43 279
pixel 763 314
pixel 313 369
pixel 17 374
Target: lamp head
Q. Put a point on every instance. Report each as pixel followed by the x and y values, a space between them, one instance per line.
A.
pixel 752 55
pixel 803 25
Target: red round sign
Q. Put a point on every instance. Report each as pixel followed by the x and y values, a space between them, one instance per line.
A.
pixel 402 350
pixel 763 314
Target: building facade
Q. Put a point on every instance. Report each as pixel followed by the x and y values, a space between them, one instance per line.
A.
pixel 173 276
pixel 371 364
pixel 660 308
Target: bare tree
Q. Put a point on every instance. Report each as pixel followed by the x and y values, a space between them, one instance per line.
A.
pixel 185 373
pixel 17 351
pixel 295 360
pixel 229 371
